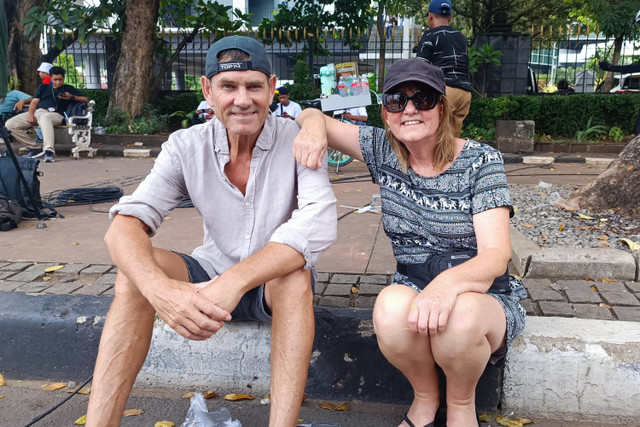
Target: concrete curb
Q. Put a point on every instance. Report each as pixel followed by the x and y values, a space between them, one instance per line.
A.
pixel 584 369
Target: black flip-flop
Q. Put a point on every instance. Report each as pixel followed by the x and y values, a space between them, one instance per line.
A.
pixel 408 421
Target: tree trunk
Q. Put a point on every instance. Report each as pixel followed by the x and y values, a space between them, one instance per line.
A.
pixel 23 56
pixel 132 80
pixel 617 48
pixel 616 187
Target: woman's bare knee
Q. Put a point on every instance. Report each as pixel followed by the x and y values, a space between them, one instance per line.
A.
pixel 391 310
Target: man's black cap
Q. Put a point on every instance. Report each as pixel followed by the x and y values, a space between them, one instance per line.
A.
pixel 282 90
pixel 251 47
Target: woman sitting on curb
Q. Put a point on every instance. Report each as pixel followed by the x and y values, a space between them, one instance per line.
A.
pixel 445 208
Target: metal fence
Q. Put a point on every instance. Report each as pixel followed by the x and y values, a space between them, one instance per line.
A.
pixel 556 54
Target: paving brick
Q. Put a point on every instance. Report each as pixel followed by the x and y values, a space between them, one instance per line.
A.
pixel 62 288
pixel 41 266
pixel 320 288
pixel 375 279
pixel 2 264
pixel 345 278
pixel 364 302
pixel 592 311
pixel 370 289
pixel 337 302
pixel 620 298
pixel 529 306
pixel 92 290
pixel 586 295
pixel 28 276
pixel 554 308
pixel 323 277
pixel 536 283
pixel 96 269
pixel 10 286
pixel 545 295
pixel 316 299
pixel 610 287
pixel 338 290
pixel 563 285
pixel 106 279
pixel 16 266
pixel 33 287
pixel 633 286
pixel 630 314
pixel 5 274
pixel 109 292
pixel 73 268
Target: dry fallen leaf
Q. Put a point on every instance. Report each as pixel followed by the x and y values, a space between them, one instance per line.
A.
pixel 583 216
pixel 589 279
pixel 608 307
pixel 561 227
pixel 53 386
pixel 527 225
pixel 608 280
pixel 355 290
pixel 485 418
pixel 80 421
pixel 634 246
pixel 132 412
pixel 74 243
pixel 2 380
pixel 327 405
pixel 188 395
pixel 343 407
pixel 209 394
pixel 603 237
pixel 1 397
pixel 504 421
pixel 524 421
pixel 85 390
pixel 234 396
pixel 164 424
pixel 54 268
pixel 46 278
pixel 603 220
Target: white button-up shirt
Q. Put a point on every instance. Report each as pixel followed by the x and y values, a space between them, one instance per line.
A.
pixel 284 201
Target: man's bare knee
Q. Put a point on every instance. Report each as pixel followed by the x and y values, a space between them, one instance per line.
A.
pixel 294 287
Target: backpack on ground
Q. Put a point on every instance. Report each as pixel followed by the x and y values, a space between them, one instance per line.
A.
pixel 12 188
pixel 10 214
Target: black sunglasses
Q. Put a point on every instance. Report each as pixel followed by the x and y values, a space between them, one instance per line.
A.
pixel 397 102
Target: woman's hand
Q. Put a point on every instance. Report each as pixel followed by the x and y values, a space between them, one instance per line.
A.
pixel 310 144
pixel 430 309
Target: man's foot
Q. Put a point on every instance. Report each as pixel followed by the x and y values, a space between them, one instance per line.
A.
pixel 34 153
pixel 49 157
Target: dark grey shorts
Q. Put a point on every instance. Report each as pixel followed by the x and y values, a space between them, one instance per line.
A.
pixel 252 306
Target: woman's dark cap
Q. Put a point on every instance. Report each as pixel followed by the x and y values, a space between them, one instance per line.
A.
pixel 414 71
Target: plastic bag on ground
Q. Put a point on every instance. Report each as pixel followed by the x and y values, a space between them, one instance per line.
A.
pixel 556 199
pixel 199 416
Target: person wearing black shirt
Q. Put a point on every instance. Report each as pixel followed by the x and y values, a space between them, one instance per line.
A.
pixel 46 110
pixel 446 48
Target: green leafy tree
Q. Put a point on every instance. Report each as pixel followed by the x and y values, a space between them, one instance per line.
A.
pixel 479 59
pixel 72 76
pixel 303 86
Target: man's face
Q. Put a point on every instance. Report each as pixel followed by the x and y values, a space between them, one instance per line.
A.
pixel 57 80
pixel 42 74
pixel 240 99
pixel 284 99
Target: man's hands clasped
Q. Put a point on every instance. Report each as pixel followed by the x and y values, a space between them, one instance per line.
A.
pixel 189 313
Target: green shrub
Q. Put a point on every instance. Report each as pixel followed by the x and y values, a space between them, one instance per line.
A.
pixel 303 86
pixel 616 134
pixel 101 96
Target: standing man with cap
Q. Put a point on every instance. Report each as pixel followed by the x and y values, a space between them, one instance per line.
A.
pixel 266 221
pixel 286 107
pixel 446 48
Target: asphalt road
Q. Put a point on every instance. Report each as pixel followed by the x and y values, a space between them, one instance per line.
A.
pixel 25 400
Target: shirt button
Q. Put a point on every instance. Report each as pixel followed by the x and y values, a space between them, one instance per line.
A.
pixel 247 204
pixel 247 237
pixel 225 158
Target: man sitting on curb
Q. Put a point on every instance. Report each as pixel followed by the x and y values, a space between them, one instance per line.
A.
pixel 266 221
pixel 45 110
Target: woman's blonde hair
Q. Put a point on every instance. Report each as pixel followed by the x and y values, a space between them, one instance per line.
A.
pixel 445 140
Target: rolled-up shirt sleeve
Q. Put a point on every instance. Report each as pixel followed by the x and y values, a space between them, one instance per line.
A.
pixel 312 227
pixel 157 195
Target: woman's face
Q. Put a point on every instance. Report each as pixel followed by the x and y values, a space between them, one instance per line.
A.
pixel 412 126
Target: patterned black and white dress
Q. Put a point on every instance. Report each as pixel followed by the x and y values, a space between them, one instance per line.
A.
pixel 426 216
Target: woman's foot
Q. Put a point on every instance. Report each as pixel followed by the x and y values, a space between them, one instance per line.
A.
pixel 421 413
